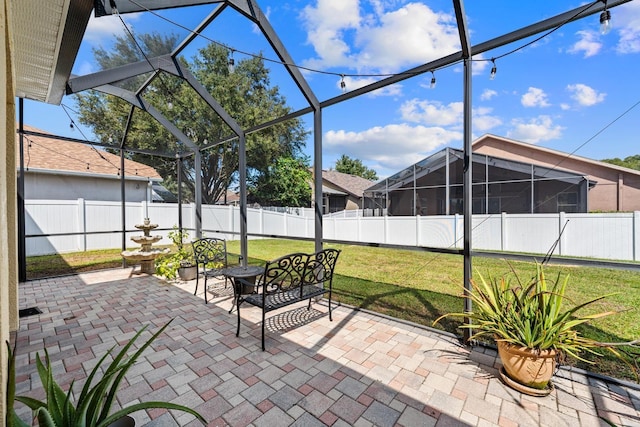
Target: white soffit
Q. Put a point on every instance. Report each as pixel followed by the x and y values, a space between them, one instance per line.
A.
pixel 47 36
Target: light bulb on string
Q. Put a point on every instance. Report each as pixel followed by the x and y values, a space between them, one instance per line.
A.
pixel 71 126
pixel 605 22
pixel 231 64
pixel 433 80
pixel 494 69
pixel 343 85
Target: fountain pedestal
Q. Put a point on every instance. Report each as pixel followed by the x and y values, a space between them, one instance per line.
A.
pixel 146 255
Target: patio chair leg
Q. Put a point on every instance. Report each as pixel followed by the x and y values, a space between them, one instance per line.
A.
pixel 205 290
pixel 238 328
pixel 330 317
pixel 196 291
pixel 263 322
pixel 309 306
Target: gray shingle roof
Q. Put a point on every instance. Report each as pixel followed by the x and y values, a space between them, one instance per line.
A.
pixel 351 184
pixel 54 154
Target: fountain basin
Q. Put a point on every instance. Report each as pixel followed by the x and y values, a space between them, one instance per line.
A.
pixel 146 240
pixel 139 255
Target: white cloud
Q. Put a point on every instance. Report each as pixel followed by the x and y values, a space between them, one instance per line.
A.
pixel 538 129
pixel 392 146
pixel 588 43
pixel 105 27
pixel 584 95
pixel 432 112
pixel 483 121
pixel 627 18
pixel 487 94
pixel 326 25
pixel 535 97
pixel 565 106
pixel 385 41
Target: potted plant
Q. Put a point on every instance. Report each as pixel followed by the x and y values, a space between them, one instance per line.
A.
pixel 92 406
pixel 181 263
pixel 531 328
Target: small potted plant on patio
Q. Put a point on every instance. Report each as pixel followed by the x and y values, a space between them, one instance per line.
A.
pixel 93 404
pixel 181 263
pixel 531 328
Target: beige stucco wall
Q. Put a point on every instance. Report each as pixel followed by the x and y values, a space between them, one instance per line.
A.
pixel 617 189
pixel 8 227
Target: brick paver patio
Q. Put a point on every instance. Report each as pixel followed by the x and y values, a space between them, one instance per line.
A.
pixel 359 370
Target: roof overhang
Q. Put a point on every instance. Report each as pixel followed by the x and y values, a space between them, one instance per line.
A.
pixel 47 36
pixel 329 190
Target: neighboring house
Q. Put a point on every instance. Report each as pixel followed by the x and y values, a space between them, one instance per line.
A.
pixel 341 191
pixel 434 186
pixel 617 189
pixel 62 170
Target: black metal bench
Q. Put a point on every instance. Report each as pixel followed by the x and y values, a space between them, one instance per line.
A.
pixel 291 279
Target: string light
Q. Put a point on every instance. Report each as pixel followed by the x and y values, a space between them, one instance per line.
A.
pixel 71 126
pixel 605 20
pixel 433 80
pixel 232 63
pixel 343 85
pixel 604 16
pixel 494 69
pixel 114 8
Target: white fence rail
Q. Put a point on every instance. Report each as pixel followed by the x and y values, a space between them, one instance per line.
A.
pixel 96 225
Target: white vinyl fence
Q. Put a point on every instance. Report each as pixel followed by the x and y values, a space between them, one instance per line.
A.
pixel 70 226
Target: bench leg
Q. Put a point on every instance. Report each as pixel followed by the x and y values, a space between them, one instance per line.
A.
pixel 330 317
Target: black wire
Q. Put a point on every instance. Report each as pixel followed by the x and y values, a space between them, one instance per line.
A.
pixel 580 12
pixel 86 139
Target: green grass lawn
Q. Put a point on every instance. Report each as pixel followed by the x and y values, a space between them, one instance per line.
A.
pixel 421 286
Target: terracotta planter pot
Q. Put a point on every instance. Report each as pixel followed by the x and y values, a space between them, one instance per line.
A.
pixel 526 367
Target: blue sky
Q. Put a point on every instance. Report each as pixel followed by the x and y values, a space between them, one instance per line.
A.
pixel 565 92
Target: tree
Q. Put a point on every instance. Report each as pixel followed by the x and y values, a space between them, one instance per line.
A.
pixel 631 162
pixel 287 183
pixel 346 164
pixel 246 94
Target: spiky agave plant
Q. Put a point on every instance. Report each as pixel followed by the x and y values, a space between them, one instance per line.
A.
pixel 93 405
pixel 532 315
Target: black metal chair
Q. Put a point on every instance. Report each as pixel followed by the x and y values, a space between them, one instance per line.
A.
pixel 212 255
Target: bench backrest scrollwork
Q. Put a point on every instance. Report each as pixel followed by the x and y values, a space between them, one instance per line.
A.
pixel 297 270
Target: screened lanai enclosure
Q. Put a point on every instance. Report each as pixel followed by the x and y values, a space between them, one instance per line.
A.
pixel 434 186
pixel 450 182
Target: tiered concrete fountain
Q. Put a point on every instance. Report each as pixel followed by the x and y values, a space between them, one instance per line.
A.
pixel 146 255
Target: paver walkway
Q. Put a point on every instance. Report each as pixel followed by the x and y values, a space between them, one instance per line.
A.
pixel 359 370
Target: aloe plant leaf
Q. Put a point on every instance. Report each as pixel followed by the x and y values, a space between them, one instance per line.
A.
pixel 123 370
pixel 45 418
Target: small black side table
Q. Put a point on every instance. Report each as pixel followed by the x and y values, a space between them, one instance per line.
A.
pixel 248 273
